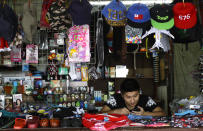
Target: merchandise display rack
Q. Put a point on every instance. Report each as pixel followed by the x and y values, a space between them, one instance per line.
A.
pixel 43 54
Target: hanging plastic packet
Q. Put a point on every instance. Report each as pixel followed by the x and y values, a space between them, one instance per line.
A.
pixel 72 72
pixel 17 101
pixel 55 84
pixel 59 38
pixel 106 72
pixel 25 67
pixel 7 60
pixel 28 86
pixel 60 54
pixel 52 43
pixel 46 43
pixel 112 72
pixel 2 102
pixel 84 73
pixel 60 57
pixel 93 74
pixel 78 72
pixel 31 53
pixel 52 70
pixel 111 86
pixel 63 71
pixel 133 35
pixel 16 54
pixel 52 55
pixel 78 49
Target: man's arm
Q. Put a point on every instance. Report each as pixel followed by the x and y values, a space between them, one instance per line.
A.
pixel 121 111
pixel 156 112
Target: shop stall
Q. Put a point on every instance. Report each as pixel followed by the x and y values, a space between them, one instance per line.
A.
pixel 101 65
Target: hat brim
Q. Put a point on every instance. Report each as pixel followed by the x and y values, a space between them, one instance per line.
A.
pixel 116 22
pixel 163 26
pixel 138 25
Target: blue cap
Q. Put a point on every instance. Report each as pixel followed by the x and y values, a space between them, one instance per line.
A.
pixel 138 13
pixel 115 13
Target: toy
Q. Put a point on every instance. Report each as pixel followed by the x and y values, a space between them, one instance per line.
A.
pixel 157 32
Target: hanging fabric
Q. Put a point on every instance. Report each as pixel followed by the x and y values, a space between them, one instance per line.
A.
pixel 58 17
pixel 8 22
pixel 45 6
pixel 29 21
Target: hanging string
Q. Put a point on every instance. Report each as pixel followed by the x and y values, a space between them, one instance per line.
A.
pixel 147 48
pixel 184 3
pixel 135 56
pixel 29 1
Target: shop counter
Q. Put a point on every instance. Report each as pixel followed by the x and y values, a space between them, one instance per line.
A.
pixel 118 129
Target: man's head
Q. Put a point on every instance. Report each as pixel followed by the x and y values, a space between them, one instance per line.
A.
pixel 130 92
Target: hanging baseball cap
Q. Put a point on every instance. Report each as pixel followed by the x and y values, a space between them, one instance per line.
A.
pixel 115 13
pixel 138 15
pixel 162 17
pixel 185 15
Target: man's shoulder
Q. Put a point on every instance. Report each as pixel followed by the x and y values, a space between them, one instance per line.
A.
pixel 145 98
pixel 115 101
pixel 147 101
pixel 118 97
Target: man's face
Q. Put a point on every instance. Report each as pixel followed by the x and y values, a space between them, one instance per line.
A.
pixel 131 98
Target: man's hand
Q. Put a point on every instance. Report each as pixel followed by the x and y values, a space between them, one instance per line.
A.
pixel 141 112
pixel 121 111
pixel 124 111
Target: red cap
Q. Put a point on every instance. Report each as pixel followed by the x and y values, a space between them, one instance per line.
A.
pixel 185 15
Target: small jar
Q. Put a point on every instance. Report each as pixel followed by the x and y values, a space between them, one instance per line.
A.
pixel 54 122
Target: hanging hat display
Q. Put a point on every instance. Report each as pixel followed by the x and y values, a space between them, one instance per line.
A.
pixel 115 13
pixel 138 16
pixel 162 17
pixel 185 15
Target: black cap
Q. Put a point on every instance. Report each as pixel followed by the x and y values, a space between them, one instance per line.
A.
pixel 161 13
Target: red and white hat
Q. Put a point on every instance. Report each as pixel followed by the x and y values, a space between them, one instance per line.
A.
pixel 185 15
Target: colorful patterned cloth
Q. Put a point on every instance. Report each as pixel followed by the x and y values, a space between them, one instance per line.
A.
pixel 78 49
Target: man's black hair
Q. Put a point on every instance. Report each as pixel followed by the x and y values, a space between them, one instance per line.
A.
pixel 129 85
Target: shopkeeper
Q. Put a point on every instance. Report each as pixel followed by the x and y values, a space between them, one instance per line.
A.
pixel 132 101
